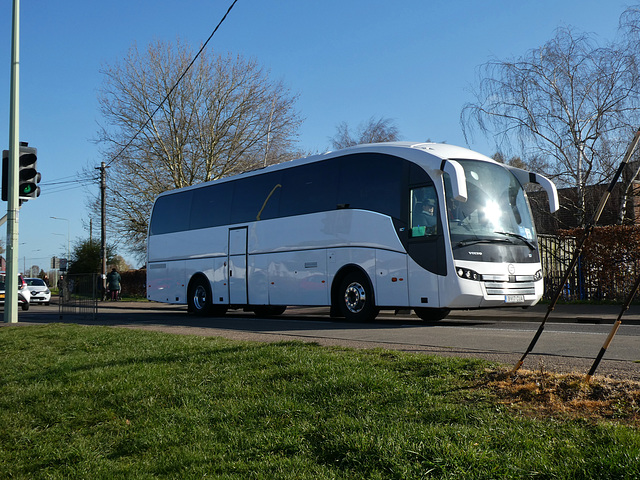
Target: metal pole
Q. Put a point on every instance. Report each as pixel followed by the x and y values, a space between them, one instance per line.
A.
pixel 103 226
pixel 11 281
pixel 587 231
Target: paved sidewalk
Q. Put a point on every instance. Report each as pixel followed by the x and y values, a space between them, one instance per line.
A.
pixel 573 313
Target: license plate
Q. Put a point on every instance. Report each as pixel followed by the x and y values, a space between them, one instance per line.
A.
pixel 513 298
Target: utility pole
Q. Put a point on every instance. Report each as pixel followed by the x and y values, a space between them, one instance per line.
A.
pixel 11 280
pixel 103 224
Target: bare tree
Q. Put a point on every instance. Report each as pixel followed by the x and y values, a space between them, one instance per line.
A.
pixel 372 131
pixel 225 116
pixel 572 102
pixel 630 24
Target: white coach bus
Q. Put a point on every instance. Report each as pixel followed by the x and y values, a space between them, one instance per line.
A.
pixel 425 226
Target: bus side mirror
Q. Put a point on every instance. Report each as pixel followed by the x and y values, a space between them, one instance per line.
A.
pixel 458 179
pixel 525 177
pixel 552 192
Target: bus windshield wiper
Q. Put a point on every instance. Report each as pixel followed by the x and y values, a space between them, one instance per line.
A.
pixel 473 241
pixel 525 240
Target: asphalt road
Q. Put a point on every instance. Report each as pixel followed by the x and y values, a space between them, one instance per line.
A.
pixel 572 338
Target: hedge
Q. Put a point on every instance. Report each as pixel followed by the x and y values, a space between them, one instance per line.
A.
pixel 134 283
pixel 610 260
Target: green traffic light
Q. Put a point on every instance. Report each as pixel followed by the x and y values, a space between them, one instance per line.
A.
pixel 27 189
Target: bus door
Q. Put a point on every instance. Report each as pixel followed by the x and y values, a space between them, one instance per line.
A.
pixel 237 265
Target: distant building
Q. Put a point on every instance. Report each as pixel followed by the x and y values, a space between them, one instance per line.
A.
pixel 567 218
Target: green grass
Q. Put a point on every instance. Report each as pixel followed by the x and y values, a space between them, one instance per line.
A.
pixel 97 402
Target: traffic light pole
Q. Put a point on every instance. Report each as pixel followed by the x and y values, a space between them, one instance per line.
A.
pixel 11 280
pixel 103 226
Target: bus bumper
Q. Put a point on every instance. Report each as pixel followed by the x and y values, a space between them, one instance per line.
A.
pixel 495 290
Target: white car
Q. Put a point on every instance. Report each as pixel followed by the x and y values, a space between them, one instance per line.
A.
pixel 24 294
pixel 40 293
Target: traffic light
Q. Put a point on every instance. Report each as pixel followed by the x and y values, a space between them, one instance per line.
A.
pixel 28 175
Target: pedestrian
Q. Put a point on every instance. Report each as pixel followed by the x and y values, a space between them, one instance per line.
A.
pixel 113 283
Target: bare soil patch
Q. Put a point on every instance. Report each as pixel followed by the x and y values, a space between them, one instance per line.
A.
pixel 542 394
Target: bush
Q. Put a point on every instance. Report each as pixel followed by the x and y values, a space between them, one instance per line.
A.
pixel 610 260
pixel 134 283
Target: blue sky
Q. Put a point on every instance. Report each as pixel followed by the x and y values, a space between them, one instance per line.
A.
pixel 413 61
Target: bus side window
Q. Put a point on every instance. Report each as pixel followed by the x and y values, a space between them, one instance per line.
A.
pixel 424 212
pixel 209 207
pixel 171 213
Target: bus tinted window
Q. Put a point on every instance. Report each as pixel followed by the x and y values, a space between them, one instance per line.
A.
pixel 308 189
pixel 424 211
pixel 372 182
pixel 171 213
pixel 256 198
pixel 210 206
pixel 418 175
pixel 364 181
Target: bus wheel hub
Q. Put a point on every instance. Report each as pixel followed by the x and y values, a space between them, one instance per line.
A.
pixel 199 297
pixel 355 297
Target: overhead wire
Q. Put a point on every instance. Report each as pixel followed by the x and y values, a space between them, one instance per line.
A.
pixel 78 180
pixel 71 182
pixel 175 85
pixel 72 179
pixel 66 188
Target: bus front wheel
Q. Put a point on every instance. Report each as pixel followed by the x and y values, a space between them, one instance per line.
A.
pixel 355 299
pixel 199 298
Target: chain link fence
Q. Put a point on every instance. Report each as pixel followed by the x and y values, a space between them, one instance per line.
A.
pixel 79 295
pixel 556 254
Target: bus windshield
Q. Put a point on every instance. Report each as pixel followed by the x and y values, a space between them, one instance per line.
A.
pixel 496 210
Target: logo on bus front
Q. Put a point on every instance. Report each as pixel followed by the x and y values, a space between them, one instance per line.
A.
pixel 511 268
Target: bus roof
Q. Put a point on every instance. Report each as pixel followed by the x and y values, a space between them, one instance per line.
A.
pixel 440 150
pixel 411 150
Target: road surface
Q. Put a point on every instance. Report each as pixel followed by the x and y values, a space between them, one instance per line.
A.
pixel 572 338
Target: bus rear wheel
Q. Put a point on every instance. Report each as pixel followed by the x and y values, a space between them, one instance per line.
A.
pixel 199 297
pixel 431 314
pixel 355 298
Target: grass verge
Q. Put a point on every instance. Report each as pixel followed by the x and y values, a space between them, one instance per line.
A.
pixel 97 402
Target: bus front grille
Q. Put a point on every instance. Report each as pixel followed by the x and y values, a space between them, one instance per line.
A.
pixel 505 288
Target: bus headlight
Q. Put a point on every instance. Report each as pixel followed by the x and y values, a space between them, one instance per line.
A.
pixel 537 276
pixel 468 274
